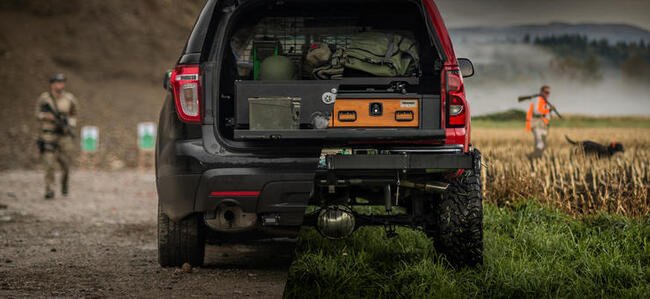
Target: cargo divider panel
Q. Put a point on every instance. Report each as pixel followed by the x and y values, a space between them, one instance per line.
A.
pixel 309 107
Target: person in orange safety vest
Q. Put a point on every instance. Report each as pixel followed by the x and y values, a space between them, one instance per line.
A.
pixel 537 121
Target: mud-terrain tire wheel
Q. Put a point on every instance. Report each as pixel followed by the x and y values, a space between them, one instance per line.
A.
pixel 181 241
pixel 457 224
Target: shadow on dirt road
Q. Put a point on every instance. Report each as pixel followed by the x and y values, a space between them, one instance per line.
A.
pixel 101 241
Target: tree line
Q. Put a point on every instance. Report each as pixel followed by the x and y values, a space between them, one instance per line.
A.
pixel 581 58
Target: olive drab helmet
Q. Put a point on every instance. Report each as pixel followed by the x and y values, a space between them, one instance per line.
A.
pixel 318 55
pixel 278 68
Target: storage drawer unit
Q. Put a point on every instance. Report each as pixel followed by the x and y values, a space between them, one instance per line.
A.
pixel 373 113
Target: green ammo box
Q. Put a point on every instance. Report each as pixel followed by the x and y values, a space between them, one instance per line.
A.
pixel 274 113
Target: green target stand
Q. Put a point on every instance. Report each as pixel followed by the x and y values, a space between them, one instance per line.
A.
pixel 89 146
pixel 146 145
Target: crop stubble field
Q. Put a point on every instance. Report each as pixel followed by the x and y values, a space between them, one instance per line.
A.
pixel 565 177
pixel 567 225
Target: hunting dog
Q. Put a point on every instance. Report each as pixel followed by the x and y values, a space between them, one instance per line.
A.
pixel 591 147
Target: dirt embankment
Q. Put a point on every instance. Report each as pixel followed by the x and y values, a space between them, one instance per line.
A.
pixel 114 54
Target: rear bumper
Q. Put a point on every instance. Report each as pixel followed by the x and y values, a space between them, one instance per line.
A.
pixel 281 192
pixel 281 188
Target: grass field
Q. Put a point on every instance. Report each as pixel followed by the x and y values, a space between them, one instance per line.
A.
pixel 567 225
pixel 530 251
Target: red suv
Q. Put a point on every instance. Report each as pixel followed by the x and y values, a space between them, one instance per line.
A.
pixel 278 115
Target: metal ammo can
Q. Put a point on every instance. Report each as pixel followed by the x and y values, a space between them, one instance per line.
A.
pixel 274 113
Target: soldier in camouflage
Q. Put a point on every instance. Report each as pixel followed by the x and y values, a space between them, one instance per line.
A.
pixel 56 110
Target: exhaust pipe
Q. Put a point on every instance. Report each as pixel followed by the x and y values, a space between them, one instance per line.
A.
pixel 432 187
pixel 231 218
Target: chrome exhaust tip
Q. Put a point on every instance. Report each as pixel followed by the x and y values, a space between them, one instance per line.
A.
pixel 231 218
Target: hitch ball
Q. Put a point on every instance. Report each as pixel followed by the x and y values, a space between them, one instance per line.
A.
pixel 335 222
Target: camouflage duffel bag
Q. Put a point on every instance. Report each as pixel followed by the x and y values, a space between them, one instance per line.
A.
pixel 376 53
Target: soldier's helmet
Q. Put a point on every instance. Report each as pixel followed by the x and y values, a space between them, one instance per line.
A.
pixel 57 78
pixel 278 68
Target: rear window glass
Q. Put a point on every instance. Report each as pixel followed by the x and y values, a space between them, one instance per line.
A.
pixel 295 36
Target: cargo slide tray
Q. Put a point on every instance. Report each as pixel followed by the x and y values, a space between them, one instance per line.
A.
pixel 351 134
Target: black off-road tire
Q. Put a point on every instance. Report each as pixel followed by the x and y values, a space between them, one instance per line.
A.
pixel 457 224
pixel 181 241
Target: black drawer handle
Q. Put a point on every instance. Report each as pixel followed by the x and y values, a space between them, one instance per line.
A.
pixel 404 115
pixel 347 116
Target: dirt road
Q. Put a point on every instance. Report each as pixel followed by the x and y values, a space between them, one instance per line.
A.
pixel 101 241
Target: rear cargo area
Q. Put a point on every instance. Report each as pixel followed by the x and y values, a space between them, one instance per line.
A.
pixel 298 72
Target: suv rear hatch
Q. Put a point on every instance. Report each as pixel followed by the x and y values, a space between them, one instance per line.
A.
pixel 356 106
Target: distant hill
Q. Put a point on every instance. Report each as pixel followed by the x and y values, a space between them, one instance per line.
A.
pixel 114 54
pixel 612 32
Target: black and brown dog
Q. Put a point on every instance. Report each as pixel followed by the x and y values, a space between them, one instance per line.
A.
pixel 591 147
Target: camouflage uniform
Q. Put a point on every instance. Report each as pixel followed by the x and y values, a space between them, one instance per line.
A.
pixel 57 144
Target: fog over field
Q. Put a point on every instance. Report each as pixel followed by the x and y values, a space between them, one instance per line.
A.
pixel 464 13
pixel 506 70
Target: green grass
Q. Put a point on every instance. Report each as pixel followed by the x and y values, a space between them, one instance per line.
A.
pixel 515 118
pixel 530 251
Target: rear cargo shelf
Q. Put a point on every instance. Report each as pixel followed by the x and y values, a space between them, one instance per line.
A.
pixel 402 113
pixel 343 134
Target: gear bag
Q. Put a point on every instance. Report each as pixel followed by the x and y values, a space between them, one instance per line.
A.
pixel 376 53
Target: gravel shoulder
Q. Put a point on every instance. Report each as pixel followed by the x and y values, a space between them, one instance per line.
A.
pixel 101 241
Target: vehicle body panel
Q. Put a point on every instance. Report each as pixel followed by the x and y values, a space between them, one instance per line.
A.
pixel 196 165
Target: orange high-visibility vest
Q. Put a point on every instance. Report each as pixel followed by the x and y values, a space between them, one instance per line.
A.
pixel 542 111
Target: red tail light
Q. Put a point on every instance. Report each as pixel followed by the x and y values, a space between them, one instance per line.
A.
pixel 186 86
pixel 456 109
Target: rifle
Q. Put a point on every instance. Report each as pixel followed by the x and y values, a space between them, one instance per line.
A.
pixel 62 125
pixel 553 109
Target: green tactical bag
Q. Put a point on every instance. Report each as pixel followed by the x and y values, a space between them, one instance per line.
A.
pixel 376 53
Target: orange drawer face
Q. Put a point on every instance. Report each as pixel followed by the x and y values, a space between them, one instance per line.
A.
pixel 375 113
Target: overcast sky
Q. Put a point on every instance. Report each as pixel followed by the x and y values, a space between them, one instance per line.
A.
pixel 466 13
